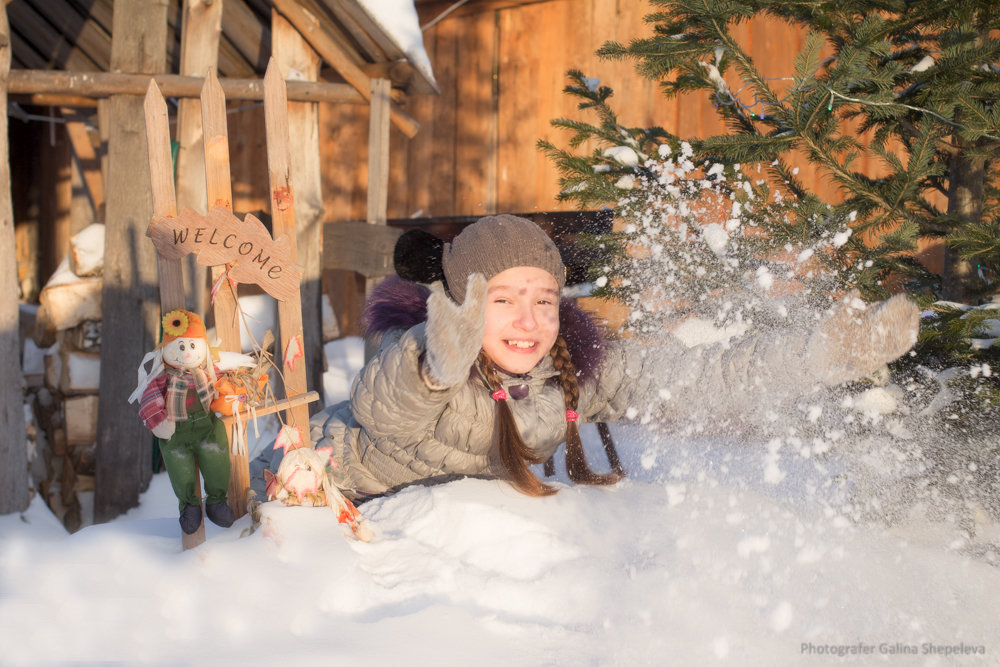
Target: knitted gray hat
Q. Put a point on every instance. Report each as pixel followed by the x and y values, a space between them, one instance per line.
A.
pixel 494 244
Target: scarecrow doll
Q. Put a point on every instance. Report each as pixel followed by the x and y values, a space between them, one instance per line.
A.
pixel 175 399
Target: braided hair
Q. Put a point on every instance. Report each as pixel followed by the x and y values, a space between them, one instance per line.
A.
pixel 576 459
pixel 514 455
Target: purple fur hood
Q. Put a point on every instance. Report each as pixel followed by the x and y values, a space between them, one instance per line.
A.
pixel 401 304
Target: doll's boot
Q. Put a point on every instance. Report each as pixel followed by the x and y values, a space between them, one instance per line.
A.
pixel 220 514
pixel 190 518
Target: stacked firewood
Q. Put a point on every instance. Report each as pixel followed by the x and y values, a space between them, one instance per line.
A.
pixel 64 396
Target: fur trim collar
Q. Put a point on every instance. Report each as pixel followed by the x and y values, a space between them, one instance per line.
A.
pixel 401 304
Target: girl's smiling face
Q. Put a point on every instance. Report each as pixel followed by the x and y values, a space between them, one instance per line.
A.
pixel 522 317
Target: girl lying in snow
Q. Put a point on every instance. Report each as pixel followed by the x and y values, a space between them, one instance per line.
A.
pixel 488 370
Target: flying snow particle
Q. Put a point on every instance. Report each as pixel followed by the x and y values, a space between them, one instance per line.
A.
pixel 622 155
pixel 625 182
pixel 923 64
pixel 840 238
pixel 772 473
pixel 764 277
pixel 601 281
pixel 754 544
pixel 781 617
pixel 716 237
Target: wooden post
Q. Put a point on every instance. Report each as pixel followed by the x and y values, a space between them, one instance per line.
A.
pixel 161 179
pixel 293 54
pixel 130 304
pixel 378 168
pixel 219 190
pixel 378 152
pixel 335 54
pixel 86 158
pixel 290 333
pixel 201 27
pixel 14 444
pixel 57 196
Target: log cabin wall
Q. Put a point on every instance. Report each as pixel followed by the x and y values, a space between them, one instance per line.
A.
pixel 501 67
pixel 501 72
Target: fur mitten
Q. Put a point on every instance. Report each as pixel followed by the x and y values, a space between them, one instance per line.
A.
pixel 855 341
pixel 454 333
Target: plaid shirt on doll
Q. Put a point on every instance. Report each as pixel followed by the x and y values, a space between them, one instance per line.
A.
pixel 165 396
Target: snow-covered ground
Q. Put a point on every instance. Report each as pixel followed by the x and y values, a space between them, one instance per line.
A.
pixel 713 551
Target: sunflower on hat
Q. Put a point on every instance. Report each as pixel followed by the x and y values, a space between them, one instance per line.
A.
pixel 181 324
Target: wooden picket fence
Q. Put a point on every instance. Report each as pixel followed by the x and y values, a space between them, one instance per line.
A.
pixel 294 405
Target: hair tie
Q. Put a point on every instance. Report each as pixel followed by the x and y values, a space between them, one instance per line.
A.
pixel 499 395
pixel 571 415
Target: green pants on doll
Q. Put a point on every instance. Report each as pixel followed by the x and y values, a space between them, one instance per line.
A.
pixel 199 442
pixel 200 439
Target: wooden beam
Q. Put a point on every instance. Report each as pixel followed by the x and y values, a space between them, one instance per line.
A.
pixel 356 19
pixel 378 152
pixel 248 34
pixel 378 169
pixel 61 53
pixel 334 53
pixel 86 157
pixel 88 36
pixel 57 100
pixel 293 54
pixel 358 246
pixel 131 309
pixel 231 62
pixel 201 27
pixel 56 189
pixel 219 192
pixel 161 178
pixel 293 371
pixel 13 446
pixel 164 197
pixel 277 406
pixel 106 84
pixel 31 58
pixel 369 37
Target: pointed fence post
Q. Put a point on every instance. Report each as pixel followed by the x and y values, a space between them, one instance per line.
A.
pixel 161 177
pixel 283 224
pixel 219 191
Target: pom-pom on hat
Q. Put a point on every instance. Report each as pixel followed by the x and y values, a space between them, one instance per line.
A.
pixel 182 324
pixel 494 244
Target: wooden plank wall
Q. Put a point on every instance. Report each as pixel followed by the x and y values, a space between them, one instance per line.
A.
pixel 501 74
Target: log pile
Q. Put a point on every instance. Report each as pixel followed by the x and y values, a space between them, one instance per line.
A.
pixel 64 396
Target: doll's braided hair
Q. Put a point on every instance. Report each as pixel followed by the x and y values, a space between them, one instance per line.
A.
pixel 514 455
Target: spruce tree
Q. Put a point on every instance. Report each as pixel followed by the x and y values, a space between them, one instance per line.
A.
pixel 914 85
pixel 710 226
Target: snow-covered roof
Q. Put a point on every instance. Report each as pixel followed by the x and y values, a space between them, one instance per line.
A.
pixel 399 20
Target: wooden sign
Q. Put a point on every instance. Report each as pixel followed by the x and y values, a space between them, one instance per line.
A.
pixel 221 238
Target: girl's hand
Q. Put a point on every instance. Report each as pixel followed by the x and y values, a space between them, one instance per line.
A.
pixel 454 333
pixel 855 341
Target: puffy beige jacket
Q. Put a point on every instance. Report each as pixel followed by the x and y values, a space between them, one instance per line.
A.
pixel 395 431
